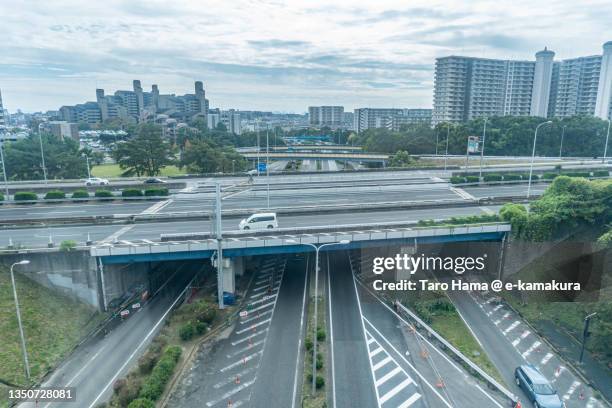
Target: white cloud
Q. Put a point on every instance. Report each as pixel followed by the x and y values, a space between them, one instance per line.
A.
pixel 257 54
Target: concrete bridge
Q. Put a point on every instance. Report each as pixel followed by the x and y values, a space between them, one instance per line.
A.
pixel 360 157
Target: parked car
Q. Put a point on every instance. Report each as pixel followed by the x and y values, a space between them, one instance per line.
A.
pixel 154 180
pixel 259 221
pixel 96 181
pixel 538 389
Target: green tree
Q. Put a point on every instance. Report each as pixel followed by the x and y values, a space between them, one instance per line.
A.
pixel 400 159
pixel 145 154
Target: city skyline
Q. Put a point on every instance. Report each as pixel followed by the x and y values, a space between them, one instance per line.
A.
pixel 274 56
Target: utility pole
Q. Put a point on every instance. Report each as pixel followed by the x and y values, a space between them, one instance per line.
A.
pixel 42 156
pixel 484 136
pixel 6 189
pixel 562 135
pixel 606 146
pixel 268 164
pixel 22 336
pixel 447 136
pixel 535 139
pixel 219 236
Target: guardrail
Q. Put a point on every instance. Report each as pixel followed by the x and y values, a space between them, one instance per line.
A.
pixel 42 188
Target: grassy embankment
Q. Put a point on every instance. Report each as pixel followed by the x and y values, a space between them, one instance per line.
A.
pixel 113 170
pixel 53 325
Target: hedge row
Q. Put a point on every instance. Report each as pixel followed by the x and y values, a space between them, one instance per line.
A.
pixel 59 195
pixel 155 384
pixel 492 177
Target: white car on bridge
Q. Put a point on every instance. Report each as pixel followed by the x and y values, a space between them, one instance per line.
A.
pixel 259 221
pixel 96 181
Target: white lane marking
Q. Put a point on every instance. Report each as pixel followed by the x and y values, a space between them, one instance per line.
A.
pixel 559 370
pixel 250 336
pixel 253 326
pixel 331 337
pixel 571 390
pixel 511 327
pixel 56 212
pixel 375 352
pixel 382 363
pixel 149 334
pixel 155 208
pixel 546 359
pixel 299 344
pixel 232 378
pixel 530 350
pixel 255 317
pixel 469 327
pixel 243 360
pixel 230 393
pixel 115 235
pixel 371 340
pixel 462 193
pixel 389 375
pixel 392 393
pixel 488 396
pixel 423 379
pixel 487 210
pixel 262 300
pixel 413 398
pixel 263 307
pixel 516 341
pixel 247 348
pixel 591 402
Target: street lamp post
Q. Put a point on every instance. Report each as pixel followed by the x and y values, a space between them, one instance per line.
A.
pixel 6 189
pixel 88 170
pixel 585 333
pixel 562 136
pixel 23 343
pixel 268 165
pixel 484 137
pixel 316 320
pixel 535 138
pixel 42 156
pixel 446 154
pixel 436 143
pixel 233 166
pixel 606 146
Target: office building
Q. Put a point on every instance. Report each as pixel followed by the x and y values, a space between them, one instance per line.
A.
pixel 467 87
pixel 326 116
pixel 391 118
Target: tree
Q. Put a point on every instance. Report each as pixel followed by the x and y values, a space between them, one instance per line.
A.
pixel 145 154
pixel 62 158
pixel 204 156
pixel 400 159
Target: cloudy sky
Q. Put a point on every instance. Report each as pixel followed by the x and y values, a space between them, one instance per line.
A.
pixel 274 55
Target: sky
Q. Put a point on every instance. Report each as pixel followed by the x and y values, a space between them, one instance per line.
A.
pixel 274 55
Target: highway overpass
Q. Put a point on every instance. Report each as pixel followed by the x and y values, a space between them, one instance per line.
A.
pixel 293 155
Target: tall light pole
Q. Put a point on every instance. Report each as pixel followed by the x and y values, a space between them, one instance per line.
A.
pixel 535 138
pixel 42 156
pixel 316 319
pixel 606 146
pixel 484 137
pixel 562 136
pixel 23 342
pixel 88 171
pixel 436 143
pixel 447 136
pixel 258 130
pixel 585 333
pixel 268 164
pixel 6 189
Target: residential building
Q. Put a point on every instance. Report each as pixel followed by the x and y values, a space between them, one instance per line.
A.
pixel 231 119
pixel 468 87
pixel 326 116
pixel 61 129
pixel 392 118
pixel 213 118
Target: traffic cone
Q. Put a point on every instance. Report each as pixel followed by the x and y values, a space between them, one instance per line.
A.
pixel 424 353
pixel 229 403
pixel 518 404
pixel 581 395
pixel 440 383
pixel 244 360
pixel 237 381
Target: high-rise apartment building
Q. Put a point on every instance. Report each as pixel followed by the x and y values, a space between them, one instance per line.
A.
pixel 391 118
pixel 2 120
pixel 467 87
pixel 137 105
pixel 326 116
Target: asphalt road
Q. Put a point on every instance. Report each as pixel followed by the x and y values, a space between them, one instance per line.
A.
pixel 39 236
pixel 94 366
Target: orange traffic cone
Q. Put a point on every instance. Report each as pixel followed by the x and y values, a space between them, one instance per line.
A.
pixel 237 380
pixel 424 353
pixel 518 404
pixel 229 403
pixel 440 383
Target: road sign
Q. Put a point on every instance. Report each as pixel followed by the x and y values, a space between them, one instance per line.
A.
pixel 473 142
pixel 261 167
pixel 244 313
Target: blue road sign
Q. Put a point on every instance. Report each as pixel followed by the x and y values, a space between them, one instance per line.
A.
pixel 261 167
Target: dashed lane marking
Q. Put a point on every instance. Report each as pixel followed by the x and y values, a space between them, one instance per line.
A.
pixel 243 360
pixel 546 359
pixel 381 363
pixel 255 317
pixel 395 390
pixel 259 333
pixel 511 327
pixel 230 393
pixel 530 350
pixel 253 326
pixel 247 348
pixel 571 390
pixel 516 341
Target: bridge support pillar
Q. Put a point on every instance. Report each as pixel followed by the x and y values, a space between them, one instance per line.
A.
pixel 232 267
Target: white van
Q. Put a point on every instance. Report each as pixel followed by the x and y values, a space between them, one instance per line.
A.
pixel 259 221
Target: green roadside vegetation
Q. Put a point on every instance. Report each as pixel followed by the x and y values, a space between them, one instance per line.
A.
pixel 458 221
pixel 436 309
pixel 53 325
pixel 319 399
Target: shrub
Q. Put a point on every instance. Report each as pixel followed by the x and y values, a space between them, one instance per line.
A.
pixel 320 381
pixel 578 174
pixel 601 173
pixel 67 245
pixel 1 197
pixel 25 196
pixel 103 194
pixel 492 177
pixel 131 192
pixel 549 176
pixel 186 331
pixel 142 403
pixel 148 360
pixel 55 195
pixel 128 391
pixel 154 385
pixel 80 194
pixel 472 179
pixel 156 192
pixel 320 334
pixel 308 343
pixel 200 327
pixel 457 180
pixel 512 177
